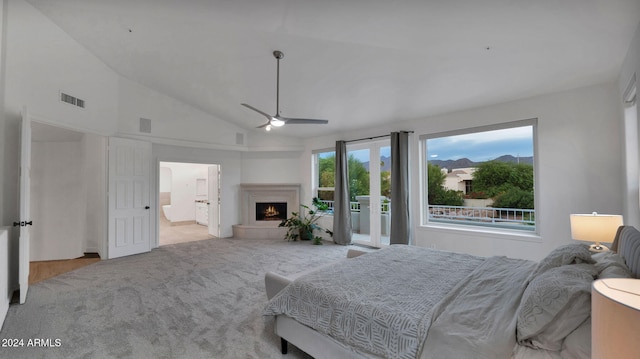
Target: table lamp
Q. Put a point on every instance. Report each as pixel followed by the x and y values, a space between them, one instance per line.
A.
pixel 615 318
pixel 595 228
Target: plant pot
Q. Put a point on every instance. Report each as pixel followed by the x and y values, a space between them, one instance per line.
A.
pixel 306 234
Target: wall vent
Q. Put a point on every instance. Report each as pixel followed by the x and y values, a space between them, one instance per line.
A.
pixel 145 125
pixel 72 100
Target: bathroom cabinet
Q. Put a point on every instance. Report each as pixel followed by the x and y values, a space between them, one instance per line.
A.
pixel 202 213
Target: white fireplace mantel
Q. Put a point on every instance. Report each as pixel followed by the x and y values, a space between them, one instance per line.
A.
pixel 250 193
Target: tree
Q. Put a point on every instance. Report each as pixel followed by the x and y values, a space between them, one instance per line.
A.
pixel 326 176
pixel 435 180
pixel 385 184
pixel 509 184
pixel 436 193
pixel 358 178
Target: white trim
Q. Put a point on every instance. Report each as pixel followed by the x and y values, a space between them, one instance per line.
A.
pixel 629 96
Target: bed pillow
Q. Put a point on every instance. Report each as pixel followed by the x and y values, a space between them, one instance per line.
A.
pixel 554 304
pixel 573 253
pixel 611 265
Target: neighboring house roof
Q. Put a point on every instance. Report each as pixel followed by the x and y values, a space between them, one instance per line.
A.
pixel 463 174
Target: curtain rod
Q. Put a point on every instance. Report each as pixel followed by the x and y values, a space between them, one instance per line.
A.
pixel 374 137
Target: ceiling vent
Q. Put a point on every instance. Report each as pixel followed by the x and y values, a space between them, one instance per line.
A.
pixel 72 100
pixel 145 125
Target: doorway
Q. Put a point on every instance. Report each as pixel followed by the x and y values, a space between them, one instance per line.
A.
pixel 68 207
pixel 370 192
pixel 188 199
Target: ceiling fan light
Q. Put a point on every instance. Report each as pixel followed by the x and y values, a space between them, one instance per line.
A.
pixel 276 122
pixel 267 128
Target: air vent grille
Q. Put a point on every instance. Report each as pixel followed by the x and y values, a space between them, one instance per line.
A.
pixel 72 100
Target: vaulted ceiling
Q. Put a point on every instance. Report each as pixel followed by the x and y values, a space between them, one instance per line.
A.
pixel 357 63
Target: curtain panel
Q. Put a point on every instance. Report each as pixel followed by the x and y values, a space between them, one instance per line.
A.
pixel 400 220
pixel 341 204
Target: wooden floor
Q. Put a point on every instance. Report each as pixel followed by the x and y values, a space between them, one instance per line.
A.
pixel 39 271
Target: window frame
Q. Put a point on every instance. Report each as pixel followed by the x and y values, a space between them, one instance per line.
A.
pixel 424 220
pixel 315 174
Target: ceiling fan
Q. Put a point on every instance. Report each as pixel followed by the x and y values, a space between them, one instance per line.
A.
pixel 277 120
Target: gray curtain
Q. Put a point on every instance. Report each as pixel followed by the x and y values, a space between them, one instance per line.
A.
pixel 400 223
pixel 341 205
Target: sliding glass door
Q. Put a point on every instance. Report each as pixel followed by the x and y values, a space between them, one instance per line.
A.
pixel 370 173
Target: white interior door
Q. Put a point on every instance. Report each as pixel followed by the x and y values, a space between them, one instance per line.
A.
pixel 25 203
pixel 129 193
pixel 214 200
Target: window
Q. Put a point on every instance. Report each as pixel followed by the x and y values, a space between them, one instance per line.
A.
pixel 481 177
pixel 324 176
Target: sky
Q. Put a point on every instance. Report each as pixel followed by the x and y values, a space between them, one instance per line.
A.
pixel 478 146
pixel 483 146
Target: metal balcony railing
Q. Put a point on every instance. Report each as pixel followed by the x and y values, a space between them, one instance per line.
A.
pixel 483 215
pixel 355 206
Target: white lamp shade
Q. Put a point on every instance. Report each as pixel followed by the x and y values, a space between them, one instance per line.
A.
pixel 595 227
pixel 615 319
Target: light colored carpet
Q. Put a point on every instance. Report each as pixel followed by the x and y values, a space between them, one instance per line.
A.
pixel 199 299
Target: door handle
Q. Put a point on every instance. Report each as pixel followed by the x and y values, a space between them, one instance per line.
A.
pixel 146 207
pixel 22 224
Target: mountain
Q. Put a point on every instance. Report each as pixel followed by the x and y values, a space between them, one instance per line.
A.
pixel 465 162
pixel 385 162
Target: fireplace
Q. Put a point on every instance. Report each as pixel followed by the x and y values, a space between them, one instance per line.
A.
pixel 271 211
pixel 258 219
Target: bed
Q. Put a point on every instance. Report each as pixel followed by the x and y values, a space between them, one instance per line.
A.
pixel 412 302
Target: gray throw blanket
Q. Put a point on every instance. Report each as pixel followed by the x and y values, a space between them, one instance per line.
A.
pixel 380 303
pixel 477 319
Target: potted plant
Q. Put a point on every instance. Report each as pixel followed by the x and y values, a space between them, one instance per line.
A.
pixel 303 224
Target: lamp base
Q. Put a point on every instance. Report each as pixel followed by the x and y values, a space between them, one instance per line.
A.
pixel 597 248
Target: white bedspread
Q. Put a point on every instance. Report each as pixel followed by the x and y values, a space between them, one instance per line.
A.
pixel 380 303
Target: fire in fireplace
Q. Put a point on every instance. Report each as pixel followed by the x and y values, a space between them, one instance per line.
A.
pixel 271 211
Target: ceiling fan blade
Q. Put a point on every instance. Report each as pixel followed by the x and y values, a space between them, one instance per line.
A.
pixel 256 110
pixel 302 121
pixel 276 120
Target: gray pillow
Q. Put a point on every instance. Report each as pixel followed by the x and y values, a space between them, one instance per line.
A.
pixel 611 265
pixel 567 254
pixel 554 304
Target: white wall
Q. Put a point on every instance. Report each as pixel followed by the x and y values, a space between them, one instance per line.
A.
pixel 631 66
pixel 58 201
pixel 172 122
pixel 579 169
pixel 43 60
pixel 273 167
pixel 165 179
pixel 94 151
